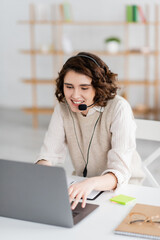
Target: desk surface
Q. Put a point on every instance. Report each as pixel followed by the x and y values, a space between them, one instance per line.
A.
pixel 100 224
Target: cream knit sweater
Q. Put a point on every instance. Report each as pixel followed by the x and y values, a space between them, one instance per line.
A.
pixel 112 146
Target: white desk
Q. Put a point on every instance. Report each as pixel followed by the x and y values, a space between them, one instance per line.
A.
pixel 99 225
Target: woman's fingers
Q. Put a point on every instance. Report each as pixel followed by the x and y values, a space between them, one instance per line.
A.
pixel 70 190
pixel 84 199
pixel 76 201
pixel 72 194
pixel 80 190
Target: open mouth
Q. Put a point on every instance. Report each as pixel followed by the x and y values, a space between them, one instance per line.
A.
pixel 77 103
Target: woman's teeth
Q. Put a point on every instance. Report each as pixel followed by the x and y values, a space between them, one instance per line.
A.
pixel 77 102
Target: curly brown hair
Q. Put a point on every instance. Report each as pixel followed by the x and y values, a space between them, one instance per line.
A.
pixel 103 80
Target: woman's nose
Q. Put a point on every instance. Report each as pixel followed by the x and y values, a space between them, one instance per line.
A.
pixel 75 93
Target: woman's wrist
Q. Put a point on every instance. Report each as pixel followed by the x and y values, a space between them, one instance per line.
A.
pixel 105 182
pixel 44 162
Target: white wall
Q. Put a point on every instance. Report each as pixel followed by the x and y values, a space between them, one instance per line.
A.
pixel 13 36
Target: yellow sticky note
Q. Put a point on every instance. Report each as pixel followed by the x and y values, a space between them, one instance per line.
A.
pixel 122 199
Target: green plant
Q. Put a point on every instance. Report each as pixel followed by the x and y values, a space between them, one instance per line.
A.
pixel 111 39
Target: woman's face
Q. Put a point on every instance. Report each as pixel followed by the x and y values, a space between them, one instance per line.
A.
pixel 78 90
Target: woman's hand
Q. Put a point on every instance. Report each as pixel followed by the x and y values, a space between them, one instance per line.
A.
pixel 83 189
pixel 80 190
pixel 44 162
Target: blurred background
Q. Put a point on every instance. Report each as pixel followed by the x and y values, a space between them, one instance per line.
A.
pixel 37 37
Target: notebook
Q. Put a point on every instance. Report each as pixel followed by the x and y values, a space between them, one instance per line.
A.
pixel 139 228
pixel 38 193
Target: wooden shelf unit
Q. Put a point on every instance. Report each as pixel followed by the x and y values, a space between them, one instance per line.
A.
pixel 126 81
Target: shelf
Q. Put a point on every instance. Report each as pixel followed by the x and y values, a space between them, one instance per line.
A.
pixel 83 23
pixel 137 110
pixel 138 82
pixel 39 81
pixel 32 22
pixel 36 110
pixel 125 53
pixel 60 52
pixel 34 52
pixel 121 82
pixel 104 23
pixel 144 111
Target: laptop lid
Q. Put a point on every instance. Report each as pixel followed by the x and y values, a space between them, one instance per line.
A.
pixel 36 193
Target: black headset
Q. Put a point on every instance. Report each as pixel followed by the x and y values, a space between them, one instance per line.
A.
pixel 83 107
pixel 86 162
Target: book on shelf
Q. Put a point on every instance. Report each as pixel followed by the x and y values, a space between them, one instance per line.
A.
pixel 66 12
pixel 141 14
pixel 142 221
pixel 129 13
pixel 134 13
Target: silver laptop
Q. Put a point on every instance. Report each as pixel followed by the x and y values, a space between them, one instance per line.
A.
pixel 37 193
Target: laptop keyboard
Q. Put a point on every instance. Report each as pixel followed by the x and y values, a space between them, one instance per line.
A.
pixel 75 213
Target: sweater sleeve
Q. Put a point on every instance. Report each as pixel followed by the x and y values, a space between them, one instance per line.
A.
pixel 123 143
pixel 54 146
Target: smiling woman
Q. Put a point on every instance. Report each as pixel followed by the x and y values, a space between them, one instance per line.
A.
pixel 78 90
pixel 102 79
pixel 100 135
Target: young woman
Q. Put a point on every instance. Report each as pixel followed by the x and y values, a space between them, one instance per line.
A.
pixel 95 124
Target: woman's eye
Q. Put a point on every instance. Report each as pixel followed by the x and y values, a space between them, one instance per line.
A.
pixel 69 87
pixel 84 88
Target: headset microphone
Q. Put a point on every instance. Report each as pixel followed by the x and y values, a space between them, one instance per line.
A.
pixel 83 107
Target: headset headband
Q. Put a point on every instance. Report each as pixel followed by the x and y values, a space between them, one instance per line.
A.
pixel 86 56
pixel 81 55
